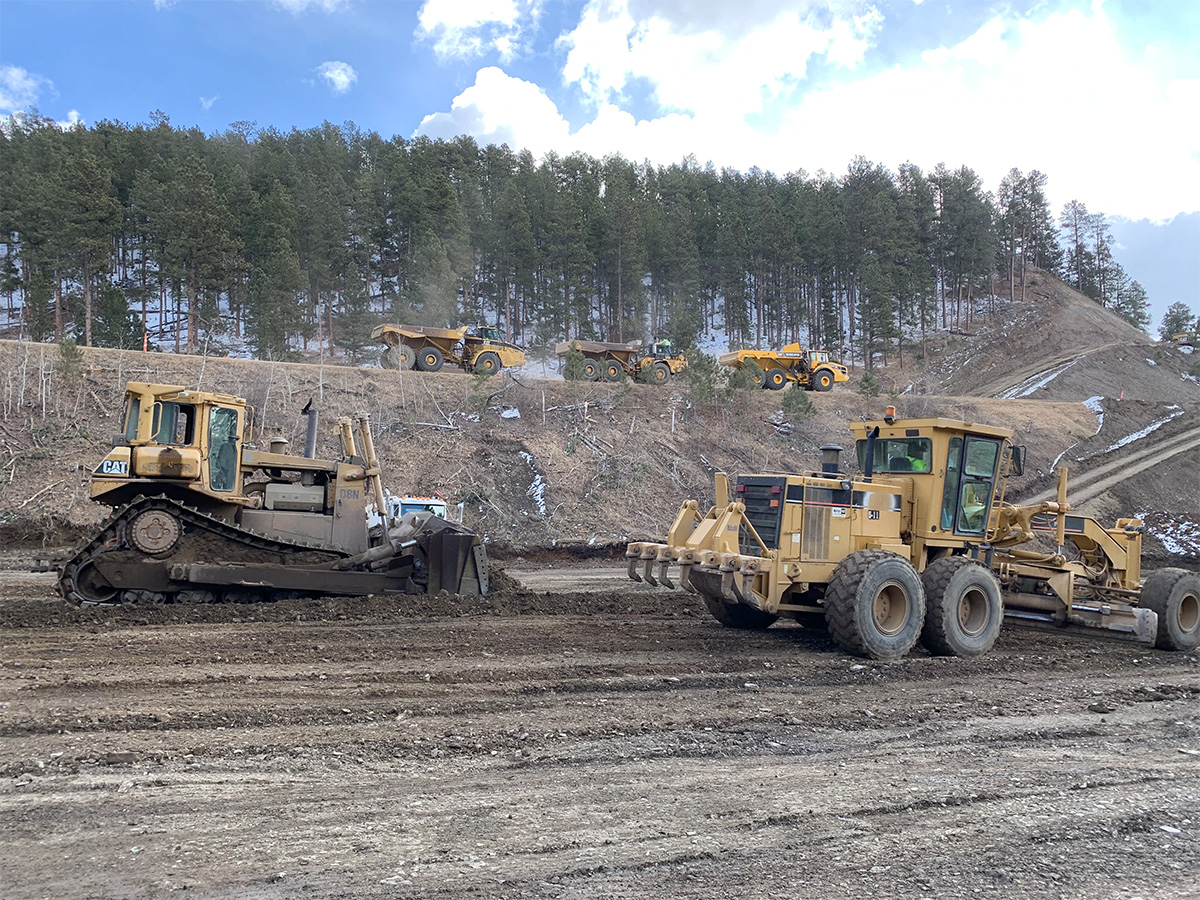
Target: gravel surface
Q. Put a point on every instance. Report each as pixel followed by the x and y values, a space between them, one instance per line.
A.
pixel 615 744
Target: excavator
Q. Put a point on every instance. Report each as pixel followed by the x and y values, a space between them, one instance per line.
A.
pixel 200 514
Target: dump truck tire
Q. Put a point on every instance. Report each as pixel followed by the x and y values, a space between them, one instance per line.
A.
pixel 661 373
pixel 488 363
pixel 591 370
pixel 1174 595
pixel 612 371
pixel 389 359
pixel 776 379
pixel 430 359
pixel 822 380
pixel 963 607
pixel 875 605
pixel 405 356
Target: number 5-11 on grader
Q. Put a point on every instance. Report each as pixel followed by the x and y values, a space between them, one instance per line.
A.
pixel 922 546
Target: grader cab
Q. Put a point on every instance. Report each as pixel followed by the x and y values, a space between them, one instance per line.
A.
pixel 920 546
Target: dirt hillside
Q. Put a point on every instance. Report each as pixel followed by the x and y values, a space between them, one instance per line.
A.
pixel 542 463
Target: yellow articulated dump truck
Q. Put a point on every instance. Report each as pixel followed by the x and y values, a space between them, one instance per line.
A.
pixel 428 349
pixel 920 546
pixel 201 515
pixel 812 370
pixel 611 362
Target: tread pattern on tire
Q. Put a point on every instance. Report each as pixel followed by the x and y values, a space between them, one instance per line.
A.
pixel 1155 596
pixel 936 579
pixel 841 611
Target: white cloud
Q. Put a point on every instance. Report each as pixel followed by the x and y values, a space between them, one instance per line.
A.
pixel 500 109
pixel 20 89
pixel 338 75
pixel 461 29
pixel 206 103
pixel 73 119
pixel 1061 94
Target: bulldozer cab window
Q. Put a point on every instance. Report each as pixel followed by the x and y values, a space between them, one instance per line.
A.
pixel 222 448
pixel 131 417
pixel 894 455
pixel 175 423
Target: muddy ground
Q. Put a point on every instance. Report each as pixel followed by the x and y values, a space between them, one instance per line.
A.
pixel 617 744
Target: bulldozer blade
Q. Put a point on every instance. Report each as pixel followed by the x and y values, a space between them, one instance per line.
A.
pixel 633 572
pixel 663 577
pixel 648 572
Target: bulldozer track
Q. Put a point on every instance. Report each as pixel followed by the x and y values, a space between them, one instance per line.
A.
pixel 112 535
pixel 1094 482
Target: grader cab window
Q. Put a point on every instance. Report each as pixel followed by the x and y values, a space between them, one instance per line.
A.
pixel 896 455
pixel 175 423
pixel 974 487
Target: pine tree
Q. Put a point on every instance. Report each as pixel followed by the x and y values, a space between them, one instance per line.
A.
pixel 356 320
pixel 1177 319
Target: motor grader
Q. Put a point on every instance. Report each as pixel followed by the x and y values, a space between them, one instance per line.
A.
pixel 921 546
pixel 200 514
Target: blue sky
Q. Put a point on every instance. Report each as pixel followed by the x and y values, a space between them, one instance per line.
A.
pixel 1104 97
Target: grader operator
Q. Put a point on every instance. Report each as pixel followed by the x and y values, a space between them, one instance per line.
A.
pixel 200 515
pixel 921 546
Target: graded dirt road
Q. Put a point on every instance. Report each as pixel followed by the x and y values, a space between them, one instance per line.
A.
pixel 607 745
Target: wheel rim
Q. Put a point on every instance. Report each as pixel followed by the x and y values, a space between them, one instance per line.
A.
pixel 890 609
pixel 590 371
pixel 430 359
pixel 1189 613
pixel 825 381
pixel 973 612
pixel 660 375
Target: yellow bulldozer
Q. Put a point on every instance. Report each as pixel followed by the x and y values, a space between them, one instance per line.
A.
pixel 201 515
pixel 604 361
pixel 428 349
pixel 921 546
pixel 812 370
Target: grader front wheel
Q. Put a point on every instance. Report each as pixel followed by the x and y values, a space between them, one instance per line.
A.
pixel 875 605
pixel 1174 595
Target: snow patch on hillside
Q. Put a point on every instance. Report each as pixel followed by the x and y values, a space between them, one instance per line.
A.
pixel 1178 535
pixel 1040 380
pixel 1095 404
pixel 1149 429
pixel 537 488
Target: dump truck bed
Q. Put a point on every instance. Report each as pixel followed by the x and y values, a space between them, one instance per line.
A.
pixel 418 331
pixel 597 347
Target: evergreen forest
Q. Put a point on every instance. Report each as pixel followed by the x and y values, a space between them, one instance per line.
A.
pixel 280 243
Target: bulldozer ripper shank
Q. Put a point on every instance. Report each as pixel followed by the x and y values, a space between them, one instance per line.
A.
pixel 201 515
pixel 921 546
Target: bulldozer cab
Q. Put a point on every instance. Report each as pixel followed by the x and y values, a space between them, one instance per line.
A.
pixel 956 471
pixel 190 438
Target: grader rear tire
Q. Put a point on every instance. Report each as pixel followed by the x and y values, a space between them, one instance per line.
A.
pixel 875 605
pixel 963 607
pixel 1174 594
